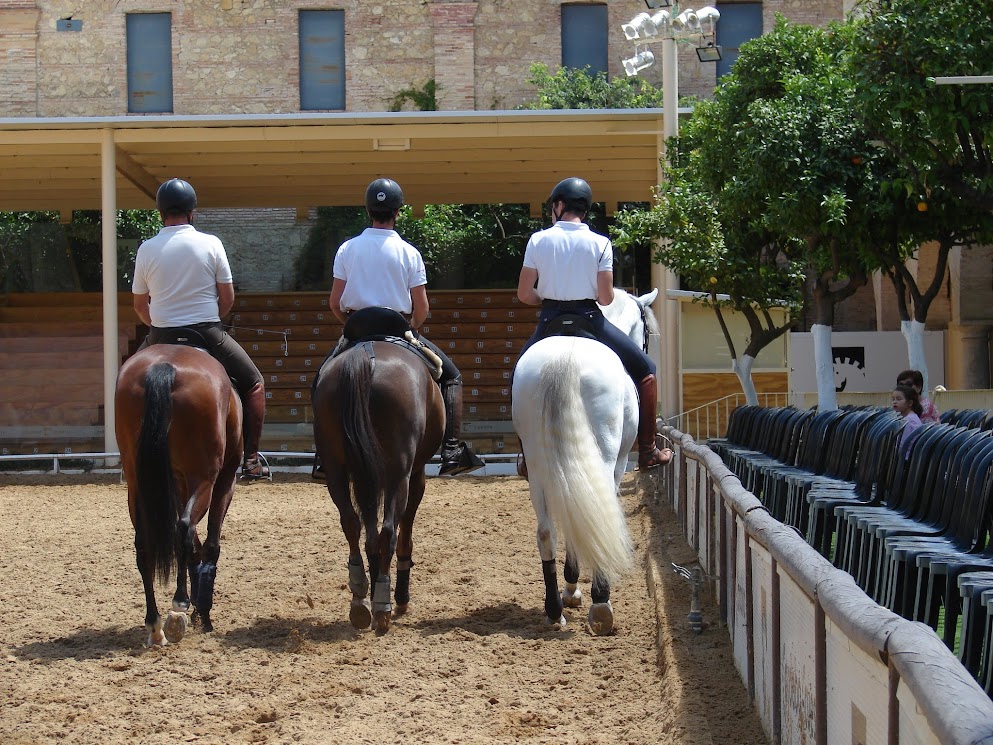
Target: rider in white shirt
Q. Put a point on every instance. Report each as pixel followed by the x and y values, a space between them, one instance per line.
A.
pixel 182 287
pixel 567 269
pixel 378 268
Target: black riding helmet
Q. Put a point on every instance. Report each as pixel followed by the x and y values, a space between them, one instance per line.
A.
pixel 383 195
pixel 175 195
pixel 573 191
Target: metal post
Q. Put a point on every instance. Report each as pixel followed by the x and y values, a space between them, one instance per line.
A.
pixel 111 355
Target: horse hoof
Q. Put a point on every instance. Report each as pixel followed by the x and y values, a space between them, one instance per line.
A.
pixel 572 597
pixel 560 624
pixel 601 618
pixel 400 609
pixel 382 623
pixel 360 614
pixel 156 639
pixel 175 626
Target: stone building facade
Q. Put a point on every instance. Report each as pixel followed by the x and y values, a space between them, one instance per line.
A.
pixel 242 56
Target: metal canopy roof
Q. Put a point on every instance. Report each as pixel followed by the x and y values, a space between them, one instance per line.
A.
pixel 303 160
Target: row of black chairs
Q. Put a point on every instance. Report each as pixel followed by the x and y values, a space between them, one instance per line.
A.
pixel 907 529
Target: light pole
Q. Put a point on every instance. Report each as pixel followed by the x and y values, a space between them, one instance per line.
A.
pixel 670 25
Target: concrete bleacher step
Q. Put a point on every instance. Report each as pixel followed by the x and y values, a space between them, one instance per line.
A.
pixel 288 335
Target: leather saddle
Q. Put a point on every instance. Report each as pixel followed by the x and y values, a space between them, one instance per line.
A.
pixel 384 324
pixel 570 324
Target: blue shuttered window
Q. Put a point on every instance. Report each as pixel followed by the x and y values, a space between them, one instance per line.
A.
pixel 584 37
pixel 149 60
pixel 739 22
pixel 322 60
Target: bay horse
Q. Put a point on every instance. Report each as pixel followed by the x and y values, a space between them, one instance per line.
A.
pixel 178 423
pixel 379 417
pixel 575 409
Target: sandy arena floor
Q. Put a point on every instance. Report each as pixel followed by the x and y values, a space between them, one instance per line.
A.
pixel 471 663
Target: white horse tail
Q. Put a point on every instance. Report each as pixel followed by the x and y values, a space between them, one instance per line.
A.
pixel 577 485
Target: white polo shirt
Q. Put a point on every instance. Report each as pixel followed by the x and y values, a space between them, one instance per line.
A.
pixel 568 256
pixel 180 269
pixel 379 268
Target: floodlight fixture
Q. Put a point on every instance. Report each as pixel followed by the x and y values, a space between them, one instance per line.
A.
pixel 708 17
pixel 709 52
pixel 642 58
pixel 639 26
pixel 653 4
pixel 662 22
pixel 686 22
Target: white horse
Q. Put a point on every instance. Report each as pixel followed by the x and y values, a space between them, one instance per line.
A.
pixel 575 409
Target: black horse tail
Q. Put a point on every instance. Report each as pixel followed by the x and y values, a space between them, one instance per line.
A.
pixel 157 503
pixel 362 449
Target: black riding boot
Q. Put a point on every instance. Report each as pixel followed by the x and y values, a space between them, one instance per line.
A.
pixel 456 456
pixel 254 467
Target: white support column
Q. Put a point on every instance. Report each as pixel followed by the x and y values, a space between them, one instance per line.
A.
pixel 111 356
pixel 669 320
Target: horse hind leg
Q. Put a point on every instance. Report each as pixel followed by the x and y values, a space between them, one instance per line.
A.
pixel 546 539
pixel 572 596
pixel 601 611
pixel 153 621
pixel 382 607
pixel 405 541
pixel 360 611
pixel 177 620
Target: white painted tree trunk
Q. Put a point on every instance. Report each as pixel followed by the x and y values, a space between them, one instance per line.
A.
pixel 743 369
pixel 913 332
pixel 827 400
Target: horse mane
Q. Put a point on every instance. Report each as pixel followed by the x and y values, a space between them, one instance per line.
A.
pixel 651 322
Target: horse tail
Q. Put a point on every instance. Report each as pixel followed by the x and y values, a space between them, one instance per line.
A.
pixel 362 449
pixel 579 491
pixel 157 506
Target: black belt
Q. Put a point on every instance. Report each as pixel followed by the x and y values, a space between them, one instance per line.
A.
pixel 569 304
pixel 206 325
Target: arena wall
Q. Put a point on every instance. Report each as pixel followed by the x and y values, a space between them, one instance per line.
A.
pixel 822 661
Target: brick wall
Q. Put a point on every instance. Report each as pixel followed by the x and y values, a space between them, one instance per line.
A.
pixel 18 58
pixel 242 56
pixel 262 245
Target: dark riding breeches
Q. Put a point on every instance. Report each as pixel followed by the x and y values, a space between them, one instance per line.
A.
pixel 635 361
pixel 222 347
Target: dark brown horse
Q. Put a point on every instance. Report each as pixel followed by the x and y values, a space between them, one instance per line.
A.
pixel 178 423
pixel 378 419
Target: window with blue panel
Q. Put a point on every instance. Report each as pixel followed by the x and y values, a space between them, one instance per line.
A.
pixel 322 60
pixel 584 37
pixel 149 61
pixel 739 22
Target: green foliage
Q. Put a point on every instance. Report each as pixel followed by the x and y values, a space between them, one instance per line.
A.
pixel 479 246
pixel 334 225
pixel 940 135
pixel 422 99
pixel 569 88
pixel 464 245
pixel 37 253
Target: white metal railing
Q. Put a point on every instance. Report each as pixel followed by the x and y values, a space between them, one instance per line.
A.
pixel 497 464
pixel 823 663
pixel 711 420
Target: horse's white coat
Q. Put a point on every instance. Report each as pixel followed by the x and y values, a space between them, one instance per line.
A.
pixel 575 409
